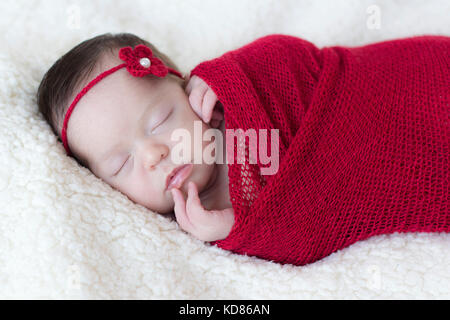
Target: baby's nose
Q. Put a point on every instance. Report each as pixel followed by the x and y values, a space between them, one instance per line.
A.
pixel 154 154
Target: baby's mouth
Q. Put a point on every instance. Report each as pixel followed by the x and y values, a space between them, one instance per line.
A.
pixel 177 177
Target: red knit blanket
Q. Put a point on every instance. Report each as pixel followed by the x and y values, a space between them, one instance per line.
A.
pixel 363 142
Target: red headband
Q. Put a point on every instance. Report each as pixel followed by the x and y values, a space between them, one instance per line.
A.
pixel 139 62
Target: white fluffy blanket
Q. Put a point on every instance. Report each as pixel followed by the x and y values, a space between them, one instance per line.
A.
pixel 65 234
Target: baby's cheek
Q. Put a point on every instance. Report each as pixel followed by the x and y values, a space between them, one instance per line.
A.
pixel 134 191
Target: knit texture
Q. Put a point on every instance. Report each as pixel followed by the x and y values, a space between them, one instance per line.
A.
pixel 363 142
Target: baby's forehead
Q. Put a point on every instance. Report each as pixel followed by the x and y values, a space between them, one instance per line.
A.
pixel 116 86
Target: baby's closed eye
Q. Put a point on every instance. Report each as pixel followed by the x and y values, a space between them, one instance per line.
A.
pixel 161 122
pixel 123 165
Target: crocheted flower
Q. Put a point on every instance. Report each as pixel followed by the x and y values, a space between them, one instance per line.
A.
pixel 140 61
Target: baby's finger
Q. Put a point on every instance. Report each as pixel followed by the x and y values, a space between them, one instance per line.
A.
pixel 194 206
pixel 196 99
pixel 180 210
pixel 209 102
pixel 193 198
pixel 189 84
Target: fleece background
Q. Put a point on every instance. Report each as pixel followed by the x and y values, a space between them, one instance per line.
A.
pixel 65 234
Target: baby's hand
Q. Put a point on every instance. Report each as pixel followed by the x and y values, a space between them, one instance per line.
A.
pixel 203 224
pixel 203 101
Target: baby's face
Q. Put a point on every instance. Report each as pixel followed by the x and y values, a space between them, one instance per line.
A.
pixel 122 129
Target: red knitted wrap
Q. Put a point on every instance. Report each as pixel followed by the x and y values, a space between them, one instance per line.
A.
pixel 364 142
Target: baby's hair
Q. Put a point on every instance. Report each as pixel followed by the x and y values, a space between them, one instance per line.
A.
pixel 68 72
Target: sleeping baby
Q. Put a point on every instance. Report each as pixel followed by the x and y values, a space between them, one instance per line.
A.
pixel 359 136
pixel 121 129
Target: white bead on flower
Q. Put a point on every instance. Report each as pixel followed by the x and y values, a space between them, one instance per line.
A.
pixel 145 62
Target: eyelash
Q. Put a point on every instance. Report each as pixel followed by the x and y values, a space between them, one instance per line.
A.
pixel 165 119
pixel 120 169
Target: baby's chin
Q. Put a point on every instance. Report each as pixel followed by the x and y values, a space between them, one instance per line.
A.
pixel 167 210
